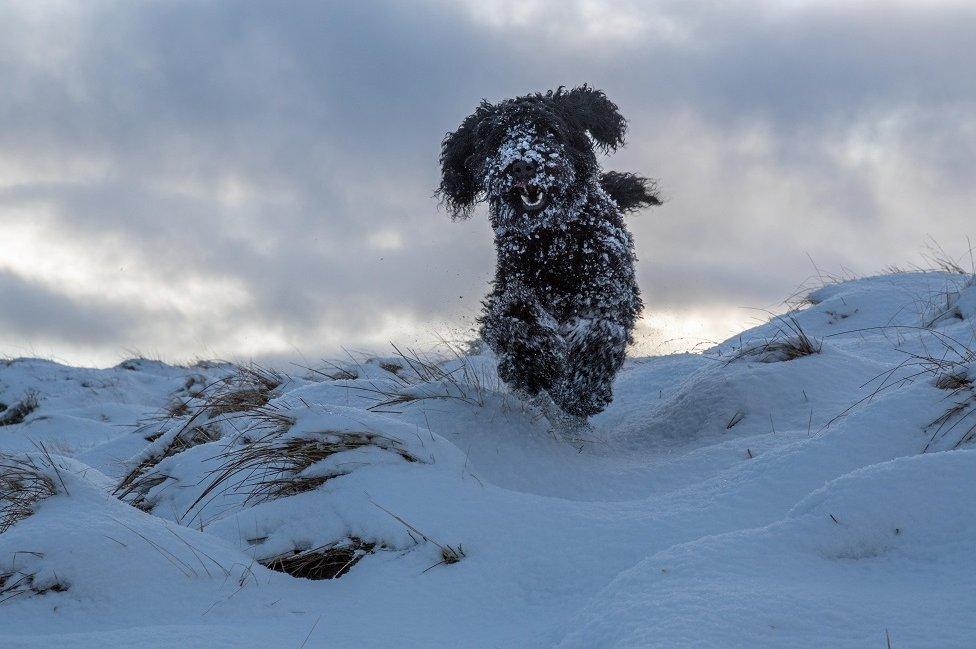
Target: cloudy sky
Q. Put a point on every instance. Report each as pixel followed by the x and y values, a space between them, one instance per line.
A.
pixel 254 179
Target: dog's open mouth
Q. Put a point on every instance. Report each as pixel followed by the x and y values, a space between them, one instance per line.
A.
pixel 532 196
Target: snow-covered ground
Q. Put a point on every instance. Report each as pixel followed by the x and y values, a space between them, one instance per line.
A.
pixel 756 495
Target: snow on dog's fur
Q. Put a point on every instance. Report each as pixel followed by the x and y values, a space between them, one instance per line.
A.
pixel 565 299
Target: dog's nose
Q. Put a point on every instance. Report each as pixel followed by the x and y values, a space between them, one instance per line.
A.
pixel 522 170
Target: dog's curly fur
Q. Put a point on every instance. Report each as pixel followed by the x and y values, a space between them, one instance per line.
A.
pixel 564 299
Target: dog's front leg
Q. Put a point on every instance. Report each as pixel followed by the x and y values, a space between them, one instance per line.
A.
pixel 525 338
pixel 596 348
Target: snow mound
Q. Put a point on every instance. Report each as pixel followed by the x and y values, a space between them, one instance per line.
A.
pixel 806 483
pixel 81 548
pixel 885 549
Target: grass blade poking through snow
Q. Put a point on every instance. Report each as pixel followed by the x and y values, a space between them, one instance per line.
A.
pixel 417 377
pixel 449 554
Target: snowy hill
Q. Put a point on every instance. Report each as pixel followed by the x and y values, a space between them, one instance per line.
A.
pixel 809 483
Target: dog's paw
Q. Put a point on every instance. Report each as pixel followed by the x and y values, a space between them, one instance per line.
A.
pixel 561 425
pixel 573 429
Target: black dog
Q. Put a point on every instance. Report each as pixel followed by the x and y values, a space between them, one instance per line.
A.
pixel 564 299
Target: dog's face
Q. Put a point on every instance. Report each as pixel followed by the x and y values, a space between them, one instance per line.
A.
pixel 530 153
pixel 530 171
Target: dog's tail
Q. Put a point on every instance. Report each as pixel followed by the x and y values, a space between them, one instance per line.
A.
pixel 630 191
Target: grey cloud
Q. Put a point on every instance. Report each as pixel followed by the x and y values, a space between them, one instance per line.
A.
pixel 327 117
pixel 31 309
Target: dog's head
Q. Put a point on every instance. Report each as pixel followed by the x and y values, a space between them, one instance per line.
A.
pixel 528 153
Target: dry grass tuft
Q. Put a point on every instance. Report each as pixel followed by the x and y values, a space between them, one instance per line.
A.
pixel 420 377
pixel 15 583
pixel 947 309
pixel 332 372
pixel 18 412
pixel 240 400
pixel 136 485
pixel 24 482
pixel 449 555
pixel 950 368
pixel 200 419
pixel 271 467
pixel 953 370
pixel 329 561
pixel 250 388
pixel 953 381
pixel 939 260
pixel 177 408
pixel 788 343
pixel 960 418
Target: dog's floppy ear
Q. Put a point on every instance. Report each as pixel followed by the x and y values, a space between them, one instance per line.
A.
pixel 589 109
pixel 460 181
pixel 630 191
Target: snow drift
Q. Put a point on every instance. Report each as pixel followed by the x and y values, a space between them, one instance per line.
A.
pixel 807 483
